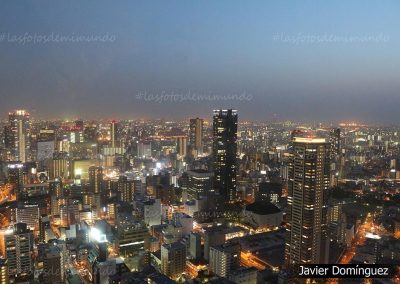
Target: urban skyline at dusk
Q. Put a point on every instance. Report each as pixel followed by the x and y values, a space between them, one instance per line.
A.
pixel 200 142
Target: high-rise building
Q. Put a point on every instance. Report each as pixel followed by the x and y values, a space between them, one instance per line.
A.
pixel 200 183
pixel 125 189
pixel 15 174
pixel 334 140
pixel 194 245
pixel 144 149
pixel 59 166
pixel 181 146
pixel 132 237
pixel 306 236
pixel 45 144
pixel 196 130
pixel 19 249
pixel 53 265
pixel 114 133
pixel 44 225
pixel 224 152
pixel 173 259
pixel 20 127
pixel 152 212
pixel 96 183
pixel 26 213
pixel 225 258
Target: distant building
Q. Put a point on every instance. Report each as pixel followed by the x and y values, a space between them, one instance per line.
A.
pixel 19 122
pixel 45 144
pixel 244 275
pixel 270 192
pixel 28 214
pixel 200 183
pixel 125 189
pixel 181 146
pixel 194 246
pixel 225 258
pixel 54 265
pixel 334 140
pixel 152 212
pixel 196 132
pixel 263 215
pixel 131 238
pixel 59 165
pixel 173 259
pixel 19 250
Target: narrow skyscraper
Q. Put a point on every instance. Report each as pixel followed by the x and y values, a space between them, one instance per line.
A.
pixel 196 130
pixel 224 152
pixel 20 129
pixel 306 237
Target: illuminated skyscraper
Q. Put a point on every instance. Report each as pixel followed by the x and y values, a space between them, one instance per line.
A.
pixel 113 133
pixel 306 236
pixel 20 128
pixel 196 130
pixel 224 152
pixel 334 140
pixel 96 179
pixel 181 146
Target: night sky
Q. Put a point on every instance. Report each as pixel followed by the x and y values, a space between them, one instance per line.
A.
pixel 300 60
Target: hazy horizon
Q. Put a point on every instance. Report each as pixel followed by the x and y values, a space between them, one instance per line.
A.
pixel 303 61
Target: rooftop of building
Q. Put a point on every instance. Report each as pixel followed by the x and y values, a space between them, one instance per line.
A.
pixel 263 208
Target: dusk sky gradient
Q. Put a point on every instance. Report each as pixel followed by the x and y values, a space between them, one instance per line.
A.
pixel 217 47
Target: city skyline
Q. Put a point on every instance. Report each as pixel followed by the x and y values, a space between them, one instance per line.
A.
pixel 229 142
pixel 292 61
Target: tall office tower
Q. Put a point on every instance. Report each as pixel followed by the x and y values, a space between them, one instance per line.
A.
pixel 96 183
pixel 181 146
pixel 53 265
pixel 19 249
pixel 224 152
pixel 194 245
pixel 113 133
pixel 225 258
pixel 173 259
pixel 144 150
pixel 306 234
pixel 199 183
pixel 4 278
pixel 59 166
pixel 196 129
pixel 20 127
pixel 46 143
pixel 15 173
pixel 334 140
pixel 125 189
pixel 8 141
